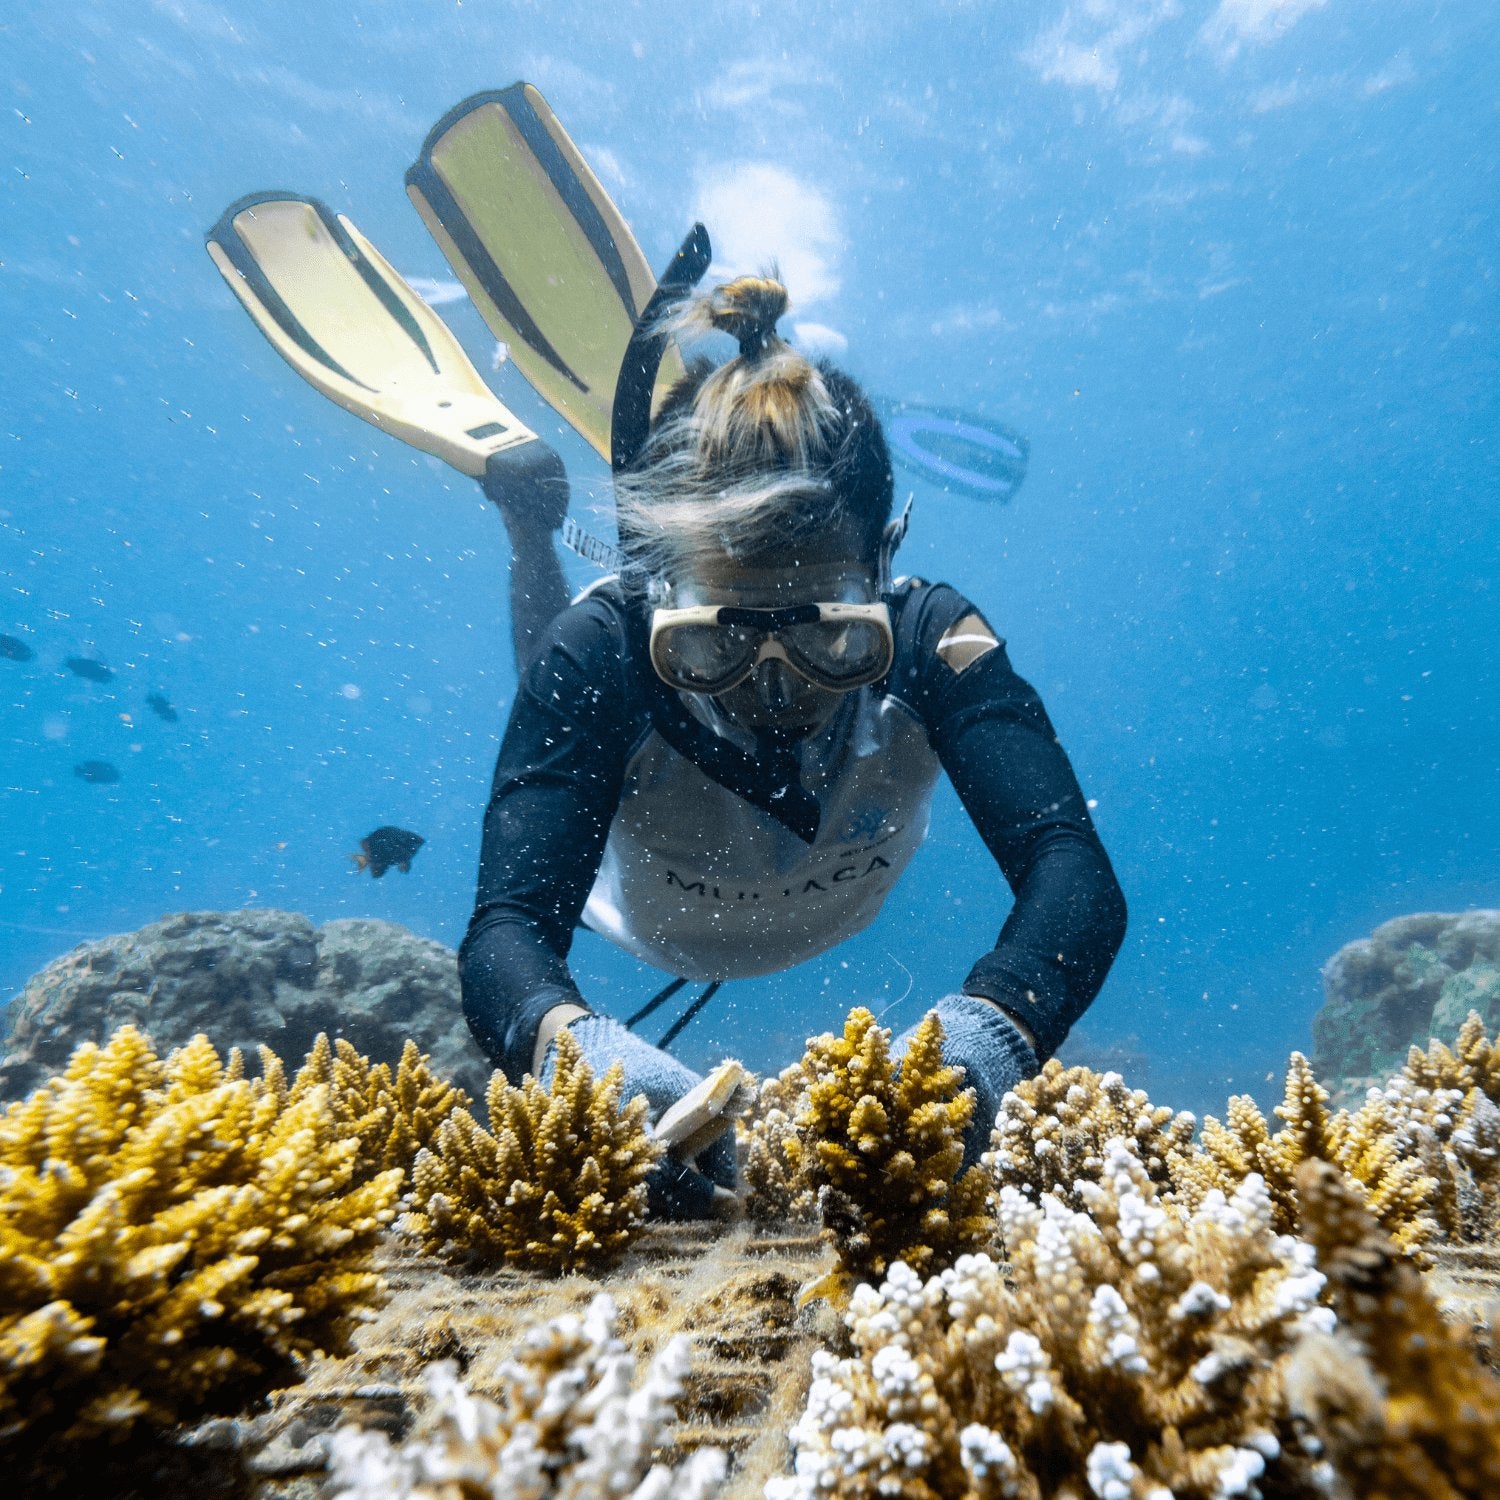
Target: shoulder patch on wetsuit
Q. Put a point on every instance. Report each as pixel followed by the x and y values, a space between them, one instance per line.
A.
pixel 966 640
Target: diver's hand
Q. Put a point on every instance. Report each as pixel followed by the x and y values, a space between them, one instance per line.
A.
pixel 676 1189
pixel 982 1040
pixel 530 487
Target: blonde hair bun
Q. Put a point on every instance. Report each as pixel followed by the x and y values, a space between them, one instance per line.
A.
pixel 755 454
pixel 748 309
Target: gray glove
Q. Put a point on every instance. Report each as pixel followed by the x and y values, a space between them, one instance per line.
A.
pixel 675 1190
pixel 982 1040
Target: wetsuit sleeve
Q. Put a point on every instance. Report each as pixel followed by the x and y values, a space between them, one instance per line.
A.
pixel 999 748
pixel 557 785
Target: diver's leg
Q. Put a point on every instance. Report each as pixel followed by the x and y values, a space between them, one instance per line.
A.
pixel 530 487
pixel 538 593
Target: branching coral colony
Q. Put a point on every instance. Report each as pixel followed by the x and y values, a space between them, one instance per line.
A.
pixel 567 1425
pixel 1425 1148
pixel 1393 1401
pixel 776 1189
pixel 1444 1107
pixel 175 1238
pixel 557 1183
pixel 882 1146
pixel 393 1118
pixel 1124 1352
pixel 1363 1145
pixel 1130 1352
pixel 1052 1129
pixel 1156 1332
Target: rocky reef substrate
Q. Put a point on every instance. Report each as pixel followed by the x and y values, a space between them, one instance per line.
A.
pixel 1414 978
pixel 246 979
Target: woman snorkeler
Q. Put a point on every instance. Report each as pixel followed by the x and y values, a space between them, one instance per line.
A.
pixel 723 759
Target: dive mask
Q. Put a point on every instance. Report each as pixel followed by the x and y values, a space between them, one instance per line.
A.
pixel 711 648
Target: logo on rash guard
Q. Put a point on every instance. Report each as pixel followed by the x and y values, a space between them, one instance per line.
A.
pixel 861 869
pixel 863 823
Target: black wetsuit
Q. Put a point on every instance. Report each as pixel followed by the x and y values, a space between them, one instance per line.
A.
pixel 590 711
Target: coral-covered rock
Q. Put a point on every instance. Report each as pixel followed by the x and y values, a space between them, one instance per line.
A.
pixel 1413 978
pixel 248 979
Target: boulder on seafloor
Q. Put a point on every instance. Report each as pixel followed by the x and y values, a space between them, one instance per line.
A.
pixel 246 978
pixel 1413 978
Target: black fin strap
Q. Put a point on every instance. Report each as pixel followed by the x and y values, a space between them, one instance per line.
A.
pixel 630 420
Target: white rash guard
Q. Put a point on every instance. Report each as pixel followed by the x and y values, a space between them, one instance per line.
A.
pixel 701 883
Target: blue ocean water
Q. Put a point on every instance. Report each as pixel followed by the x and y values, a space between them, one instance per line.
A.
pixel 1229 266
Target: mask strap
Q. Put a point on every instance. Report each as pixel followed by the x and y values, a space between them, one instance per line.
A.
pixel 890 540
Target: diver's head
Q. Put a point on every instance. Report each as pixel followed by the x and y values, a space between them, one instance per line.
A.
pixel 764 487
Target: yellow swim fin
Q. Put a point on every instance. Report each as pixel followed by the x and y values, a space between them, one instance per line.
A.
pixel 336 310
pixel 544 254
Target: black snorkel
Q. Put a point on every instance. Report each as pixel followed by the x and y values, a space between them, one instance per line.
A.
pixel 630 423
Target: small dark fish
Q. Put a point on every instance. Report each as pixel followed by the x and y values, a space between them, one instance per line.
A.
pixel 385 847
pixel 161 707
pixel 100 772
pixel 86 666
pixel 14 650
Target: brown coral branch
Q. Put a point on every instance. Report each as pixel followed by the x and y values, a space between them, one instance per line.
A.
pixel 1395 1401
pixel 558 1181
pixel 883 1145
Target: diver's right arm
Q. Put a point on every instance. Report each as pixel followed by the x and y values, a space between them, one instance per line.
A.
pixel 574 724
pixel 557 784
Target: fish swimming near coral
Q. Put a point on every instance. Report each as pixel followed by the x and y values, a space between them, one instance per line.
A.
pixel 89 667
pixel 385 847
pixel 13 650
pixel 100 772
pixel 161 706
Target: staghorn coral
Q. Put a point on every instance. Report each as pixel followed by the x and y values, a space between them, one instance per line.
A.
pixel 1364 1145
pixel 883 1147
pixel 1125 1352
pixel 567 1425
pixel 1052 1129
pixel 176 1238
pixel 392 1118
pixel 1393 1401
pixel 776 1190
pixel 559 1184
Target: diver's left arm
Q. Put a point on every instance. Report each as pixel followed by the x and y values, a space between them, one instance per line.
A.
pixel 999 748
